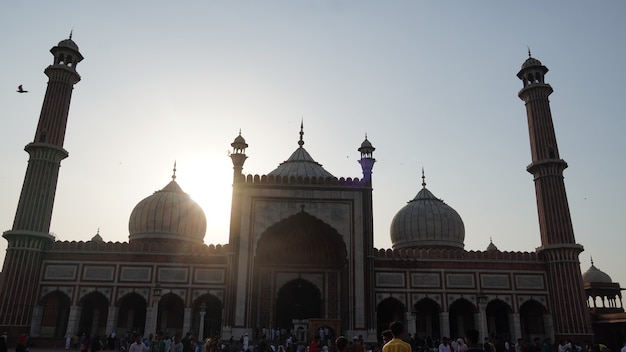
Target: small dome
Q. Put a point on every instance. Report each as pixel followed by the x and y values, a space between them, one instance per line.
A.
pixel 239 143
pixel 530 62
pixel 68 43
pixel 366 148
pixel 168 214
pixel 596 275
pixel 97 238
pixel 427 222
pixel 491 247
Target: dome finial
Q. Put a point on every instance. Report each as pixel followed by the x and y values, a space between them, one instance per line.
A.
pixel 301 141
pixel 423 178
pixel 174 174
pixel 591 260
pixel 528 51
pixel 71 32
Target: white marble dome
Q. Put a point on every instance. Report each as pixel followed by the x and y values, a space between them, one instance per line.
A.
pixel 427 222
pixel 168 214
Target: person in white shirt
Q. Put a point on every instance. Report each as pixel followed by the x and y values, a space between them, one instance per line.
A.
pixel 177 345
pixel 138 345
pixel 445 345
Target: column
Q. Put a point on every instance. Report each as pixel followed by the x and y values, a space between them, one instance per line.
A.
pixel 516 326
pixel 111 320
pixel 201 332
pixel 548 325
pixel 444 324
pixel 410 323
pixel 35 322
pixel 72 320
pixel 150 321
pixel 187 321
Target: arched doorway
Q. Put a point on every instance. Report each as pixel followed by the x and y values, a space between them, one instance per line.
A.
pixel 498 319
pixel 387 311
pixel 94 309
pixel 294 247
pixel 132 313
pixel 461 317
pixel 212 307
pixel 298 299
pixel 531 318
pixel 55 314
pixel 427 318
pixel 171 314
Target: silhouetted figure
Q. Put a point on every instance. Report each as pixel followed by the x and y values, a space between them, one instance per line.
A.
pixel 21 90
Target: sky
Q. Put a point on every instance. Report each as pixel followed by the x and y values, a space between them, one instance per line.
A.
pixel 432 83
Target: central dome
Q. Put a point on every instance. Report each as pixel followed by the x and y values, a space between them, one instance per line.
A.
pixel 168 214
pixel 427 222
pixel 300 163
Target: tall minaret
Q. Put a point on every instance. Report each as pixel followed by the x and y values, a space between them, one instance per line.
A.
pixel 238 157
pixel 30 235
pixel 558 246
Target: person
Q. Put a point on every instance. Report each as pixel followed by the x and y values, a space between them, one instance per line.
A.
pixel 177 345
pixel 471 338
pixel 460 345
pixel 246 342
pixel 342 344
pixel 396 344
pixel 159 344
pixel 22 342
pixel 445 345
pixel 314 343
pixel 623 347
pixel 547 345
pixel 3 343
pixel 138 345
pixel 387 336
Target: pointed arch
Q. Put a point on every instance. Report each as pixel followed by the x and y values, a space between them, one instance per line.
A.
pixel 389 310
pixel 427 317
pixel 298 299
pixel 212 307
pixel 497 313
pixel 132 312
pixel 532 314
pixel 301 239
pixel 55 314
pixel 94 309
pixel 171 313
pixel 461 317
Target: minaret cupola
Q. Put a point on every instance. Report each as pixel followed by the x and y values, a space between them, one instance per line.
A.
pixel 238 154
pixel 367 159
pixel 66 53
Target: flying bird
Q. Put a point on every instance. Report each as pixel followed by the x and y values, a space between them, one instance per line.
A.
pixel 21 90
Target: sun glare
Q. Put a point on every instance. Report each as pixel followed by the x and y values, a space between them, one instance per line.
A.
pixel 211 188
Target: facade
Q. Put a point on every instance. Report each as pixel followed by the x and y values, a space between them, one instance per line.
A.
pixel 300 255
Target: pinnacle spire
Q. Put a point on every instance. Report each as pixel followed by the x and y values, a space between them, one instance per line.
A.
pixel 301 141
pixel 174 174
pixel 423 178
pixel 71 32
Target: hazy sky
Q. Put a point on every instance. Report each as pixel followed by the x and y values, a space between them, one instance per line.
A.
pixel 433 84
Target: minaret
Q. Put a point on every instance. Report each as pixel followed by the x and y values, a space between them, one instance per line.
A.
pixel 30 235
pixel 367 164
pixel 238 157
pixel 558 246
pixel 367 160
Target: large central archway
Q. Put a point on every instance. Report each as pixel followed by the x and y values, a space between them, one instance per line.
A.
pixel 298 246
pixel 298 299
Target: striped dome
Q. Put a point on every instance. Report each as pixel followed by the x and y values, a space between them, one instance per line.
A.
pixel 427 222
pixel 168 214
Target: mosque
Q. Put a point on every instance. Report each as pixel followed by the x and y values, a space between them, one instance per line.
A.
pixel 328 274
